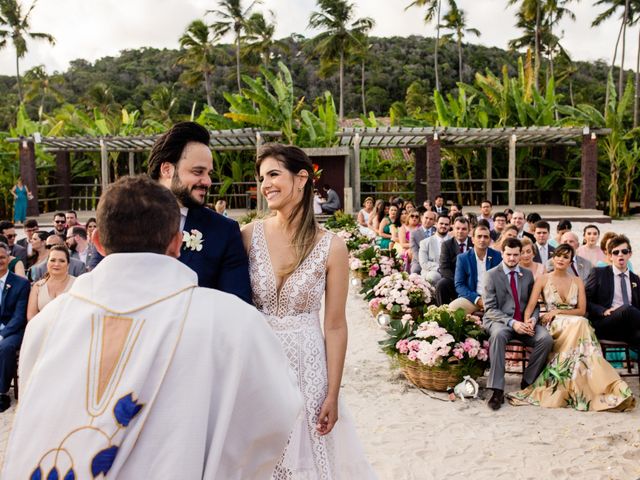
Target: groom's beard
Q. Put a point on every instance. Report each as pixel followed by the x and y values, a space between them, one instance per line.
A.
pixel 183 193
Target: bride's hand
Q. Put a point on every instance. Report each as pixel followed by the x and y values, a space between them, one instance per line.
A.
pixel 328 416
pixel 547 317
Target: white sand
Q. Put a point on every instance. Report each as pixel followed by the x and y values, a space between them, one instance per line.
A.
pixel 410 435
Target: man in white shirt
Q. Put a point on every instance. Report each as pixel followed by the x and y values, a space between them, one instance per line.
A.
pixel 139 373
pixel 429 251
pixel 518 220
pixel 424 231
pixel 541 231
pixel 485 212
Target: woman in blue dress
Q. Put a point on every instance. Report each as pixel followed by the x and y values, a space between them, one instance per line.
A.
pixel 20 195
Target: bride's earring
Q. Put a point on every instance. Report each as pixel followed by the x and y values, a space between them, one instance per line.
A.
pixel 299 189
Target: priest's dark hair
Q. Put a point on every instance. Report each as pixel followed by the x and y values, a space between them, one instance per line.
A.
pixel 170 145
pixel 137 214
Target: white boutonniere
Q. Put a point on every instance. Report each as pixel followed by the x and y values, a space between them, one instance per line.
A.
pixel 192 240
pixel 634 284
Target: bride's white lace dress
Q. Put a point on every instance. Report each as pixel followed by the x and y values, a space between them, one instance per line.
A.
pixel 293 313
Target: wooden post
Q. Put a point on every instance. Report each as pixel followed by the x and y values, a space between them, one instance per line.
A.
pixel 132 159
pixel 512 171
pixel 104 164
pixel 434 174
pixel 357 200
pixel 489 175
pixel 420 155
pixel 63 179
pixel 259 198
pixel 589 170
pixel 27 156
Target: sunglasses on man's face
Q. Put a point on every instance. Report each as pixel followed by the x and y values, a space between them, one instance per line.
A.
pixel 623 251
pixel 11 235
pixel 60 221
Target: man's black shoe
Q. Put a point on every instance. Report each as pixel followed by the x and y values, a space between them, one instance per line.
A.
pixel 496 400
pixel 523 385
pixel 5 402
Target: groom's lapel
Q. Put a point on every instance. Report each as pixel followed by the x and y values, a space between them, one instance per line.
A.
pixel 190 223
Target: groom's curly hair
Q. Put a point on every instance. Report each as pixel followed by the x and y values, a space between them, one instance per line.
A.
pixel 170 145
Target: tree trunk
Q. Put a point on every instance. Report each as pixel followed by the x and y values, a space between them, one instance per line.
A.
pixel 635 97
pixel 571 92
pixel 364 99
pixel 613 62
pixel 238 61
pixel 625 19
pixel 435 57
pixel 536 67
pixel 18 77
pixel 341 111
pixel 207 87
pixel 460 58
pixel 628 188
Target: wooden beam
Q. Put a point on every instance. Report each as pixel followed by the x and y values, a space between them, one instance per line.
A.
pixel 132 161
pixel 489 175
pixel 104 164
pixel 356 173
pixel 434 173
pixel 512 171
pixel 589 169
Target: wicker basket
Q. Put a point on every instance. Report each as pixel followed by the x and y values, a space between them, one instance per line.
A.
pixel 431 378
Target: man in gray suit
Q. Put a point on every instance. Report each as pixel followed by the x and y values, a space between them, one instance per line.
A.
pixel 424 231
pixel 580 267
pixel 76 267
pixel 506 293
pixel 429 253
pixel 333 200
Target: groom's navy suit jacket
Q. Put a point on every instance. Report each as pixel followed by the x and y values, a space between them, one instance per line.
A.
pixel 222 263
pixel 13 311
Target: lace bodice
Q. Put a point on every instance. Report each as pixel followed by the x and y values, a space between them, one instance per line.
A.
pixel 301 292
pixel 553 299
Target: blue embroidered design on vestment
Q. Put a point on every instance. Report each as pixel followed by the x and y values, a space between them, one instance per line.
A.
pixel 103 460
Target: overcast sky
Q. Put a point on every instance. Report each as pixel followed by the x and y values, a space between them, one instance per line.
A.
pixel 97 28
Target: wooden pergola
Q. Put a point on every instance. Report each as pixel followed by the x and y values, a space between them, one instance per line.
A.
pixel 426 142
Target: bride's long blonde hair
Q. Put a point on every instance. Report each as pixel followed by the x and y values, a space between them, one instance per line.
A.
pixel 295 160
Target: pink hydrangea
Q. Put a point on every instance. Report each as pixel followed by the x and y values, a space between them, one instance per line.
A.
pixel 403 346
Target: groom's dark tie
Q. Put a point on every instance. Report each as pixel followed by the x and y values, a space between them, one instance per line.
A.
pixel 517 314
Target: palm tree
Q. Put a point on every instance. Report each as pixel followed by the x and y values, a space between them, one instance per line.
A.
pixel 200 54
pixel 18 30
pixel 232 17
pixel 456 22
pixel 555 11
pixel 530 12
pixel 259 38
pixel 162 106
pixel 40 85
pixel 433 13
pixel 340 35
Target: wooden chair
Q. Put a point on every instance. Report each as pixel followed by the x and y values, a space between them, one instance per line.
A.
pixel 519 354
pixel 624 348
pixel 15 377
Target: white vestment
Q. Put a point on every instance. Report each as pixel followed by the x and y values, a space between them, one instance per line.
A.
pixel 139 373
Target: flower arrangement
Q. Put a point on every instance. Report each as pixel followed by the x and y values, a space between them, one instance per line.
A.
pixel 401 295
pixel 340 221
pixel 353 238
pixel 440 339
pixel 370 261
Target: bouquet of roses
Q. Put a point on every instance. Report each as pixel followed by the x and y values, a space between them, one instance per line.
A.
pixel 370 261
pixel 440 338
pixel 400 295
pixel 353 238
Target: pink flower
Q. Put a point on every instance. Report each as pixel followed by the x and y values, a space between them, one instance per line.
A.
pixel 403 346
pixel 412 356
pixel 373 271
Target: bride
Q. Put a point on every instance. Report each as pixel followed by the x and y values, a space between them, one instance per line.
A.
pixel 577 374
pixel 292 264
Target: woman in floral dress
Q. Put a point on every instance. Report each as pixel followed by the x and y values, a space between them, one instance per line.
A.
pixel 577 375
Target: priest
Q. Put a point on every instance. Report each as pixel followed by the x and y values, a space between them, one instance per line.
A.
pixel 137 372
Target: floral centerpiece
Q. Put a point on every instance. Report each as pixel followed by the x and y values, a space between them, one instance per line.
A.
pixel 373 262
pixel 436 350
pixel 354 239
pixel 340 221
pixel 400 295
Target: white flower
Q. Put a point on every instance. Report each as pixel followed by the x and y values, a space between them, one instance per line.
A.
pixel 193 240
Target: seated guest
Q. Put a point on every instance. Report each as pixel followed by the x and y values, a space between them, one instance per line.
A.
pixel 580 267
pixel 403 242
pixel 78 243
pixel 13 319
pixel 527 261
pixel 365 212
pixel 221 207
pixel 613 296
pixel 532 219
pixel 333 200
pixel 577 375
pixel 424 231
pixel 317 202
pixel 454 210
pixel 544 251
pixel 377 215
pixel 439 205
pixel 499 223
pixel 55 282
pixel 603 245
pixel 59 225
pixel 485 212
pixel 387 226
pixel 76 267
pixel 409 206
pixel 449 251
pixel 71 218
pixel 38 249
pixel 590 249
pixel 510 231
pixel 429 252
pixel 8 229
pixel 473 220
pixel 471 268
pixel 15 264
pixel 519 221
pixel 91 227
pixel 563 226
pixel 509 213
pixel 30 227
pixel 506 292
pixel 428 204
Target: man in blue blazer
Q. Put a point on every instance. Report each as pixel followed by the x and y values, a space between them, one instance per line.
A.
pixel 13 320
pixel 471 268
pixel 212 247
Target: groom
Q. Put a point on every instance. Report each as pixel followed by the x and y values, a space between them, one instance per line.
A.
pixel 212 247
pixel 506 293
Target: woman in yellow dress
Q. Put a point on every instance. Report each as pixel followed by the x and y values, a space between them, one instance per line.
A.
pixel 577 375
